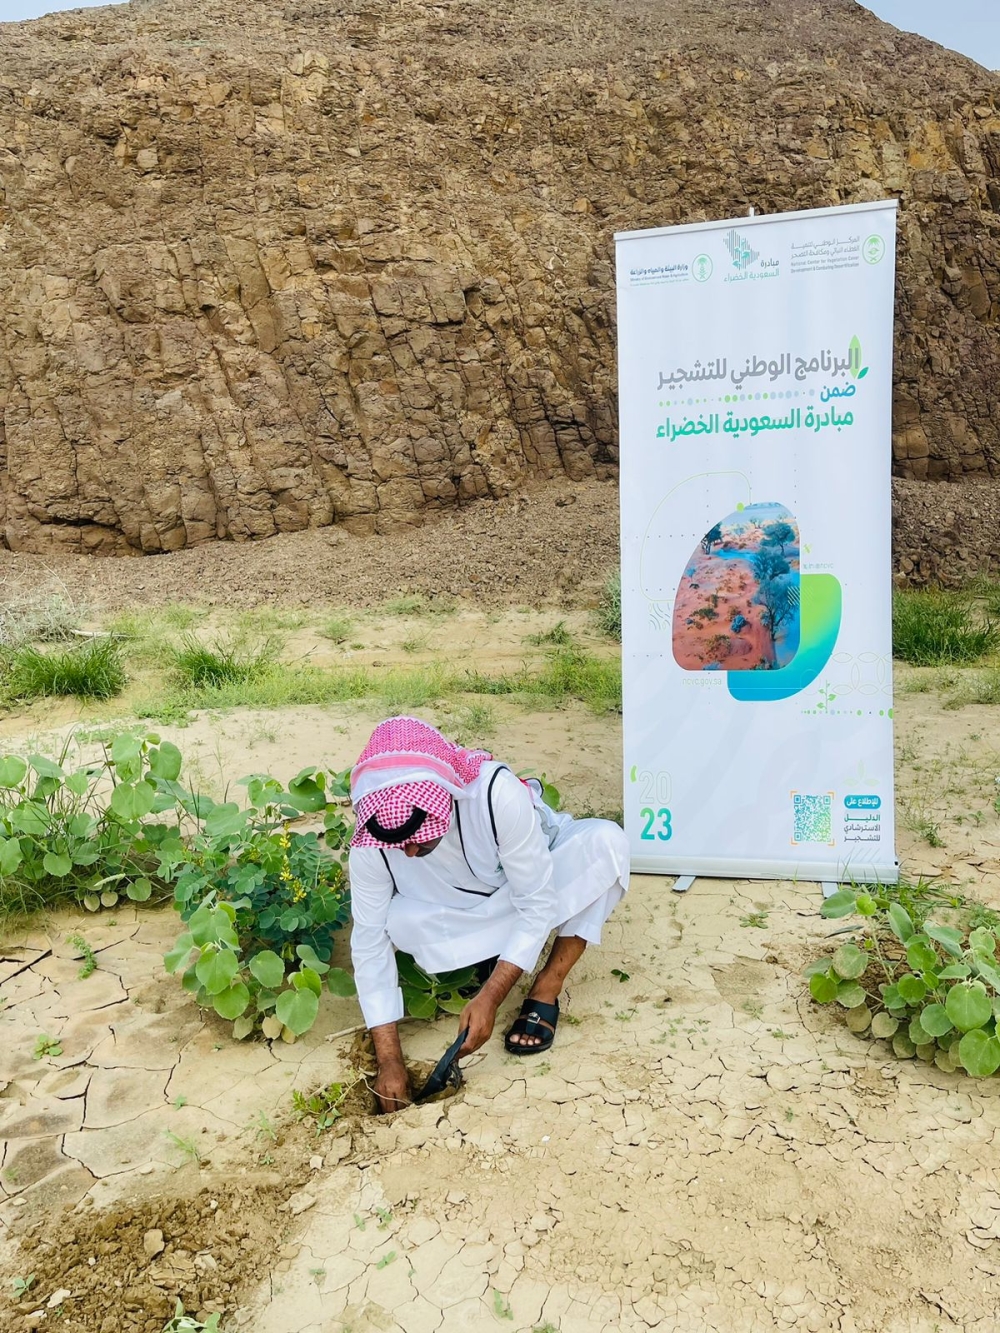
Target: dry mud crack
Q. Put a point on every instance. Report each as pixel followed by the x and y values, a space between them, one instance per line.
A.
pixel 704 1162
pixel 703 1150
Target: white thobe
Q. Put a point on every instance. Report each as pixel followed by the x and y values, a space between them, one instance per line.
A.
pixel 480 895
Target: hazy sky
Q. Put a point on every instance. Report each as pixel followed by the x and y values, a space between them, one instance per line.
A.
pixel 970 26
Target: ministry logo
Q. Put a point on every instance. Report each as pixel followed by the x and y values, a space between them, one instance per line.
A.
pixel 740 252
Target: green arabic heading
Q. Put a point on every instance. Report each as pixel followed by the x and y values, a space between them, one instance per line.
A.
pixel 734 426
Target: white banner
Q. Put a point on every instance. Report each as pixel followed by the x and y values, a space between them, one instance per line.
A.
pixel 755 380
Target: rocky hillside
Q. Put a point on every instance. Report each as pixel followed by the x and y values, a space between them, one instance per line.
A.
pixel 266 266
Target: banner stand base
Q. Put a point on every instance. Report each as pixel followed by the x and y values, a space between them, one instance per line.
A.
pixel 829 888
pixel 683 883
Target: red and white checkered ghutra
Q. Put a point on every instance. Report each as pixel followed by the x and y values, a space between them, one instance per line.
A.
pixel 408 766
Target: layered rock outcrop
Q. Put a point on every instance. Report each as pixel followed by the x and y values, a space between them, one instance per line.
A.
pixel 268 266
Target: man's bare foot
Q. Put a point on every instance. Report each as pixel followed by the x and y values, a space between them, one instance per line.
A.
pixel 566 952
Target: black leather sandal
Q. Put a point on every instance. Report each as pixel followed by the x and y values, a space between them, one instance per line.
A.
pixel 536 1019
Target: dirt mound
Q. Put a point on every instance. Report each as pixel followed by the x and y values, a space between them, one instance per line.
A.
pixel 557 542
pixel 945 534
pixel 125 1267
pixel 268 268
pixel 553 544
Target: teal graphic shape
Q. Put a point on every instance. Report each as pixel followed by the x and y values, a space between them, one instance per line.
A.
pixel 820 608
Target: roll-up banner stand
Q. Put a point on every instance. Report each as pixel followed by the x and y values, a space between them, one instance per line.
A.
pixel 755 380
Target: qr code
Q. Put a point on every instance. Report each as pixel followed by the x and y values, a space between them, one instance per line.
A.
pixel 813 818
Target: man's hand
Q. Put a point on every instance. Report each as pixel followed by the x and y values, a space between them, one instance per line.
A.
pixel 479 1016
pixel 392 1086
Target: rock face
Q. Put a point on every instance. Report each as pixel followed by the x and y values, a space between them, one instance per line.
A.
pixel 266 266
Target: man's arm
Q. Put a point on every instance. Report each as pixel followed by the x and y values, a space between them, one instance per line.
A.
pixel 375 973
pixel 527 864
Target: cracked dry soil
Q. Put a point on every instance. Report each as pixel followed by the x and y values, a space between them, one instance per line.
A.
pixel 703 1151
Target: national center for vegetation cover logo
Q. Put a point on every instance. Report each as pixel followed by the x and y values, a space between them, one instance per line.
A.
pixel 874 249
pixel 701 269
pixel 740 251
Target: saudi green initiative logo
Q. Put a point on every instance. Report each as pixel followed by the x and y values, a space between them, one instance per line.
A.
pixel 874 250
pixel 702 268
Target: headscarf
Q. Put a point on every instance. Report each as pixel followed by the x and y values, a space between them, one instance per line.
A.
pixel 403 784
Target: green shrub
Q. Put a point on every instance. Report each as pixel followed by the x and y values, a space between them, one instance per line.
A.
pixel 426 995
pixel 337 628
pixel 235 663
pixel 609 609
pixel 569 673
pixel 574 674
pixel 937 628
pixel 91 670
pixel 556 637
pixel 261 903
pixel 929 989
pixel 976 687
pixel 85 834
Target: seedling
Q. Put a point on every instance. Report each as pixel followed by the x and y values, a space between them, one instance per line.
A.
pixel 386 1259
pixel 89 963
pixel 757 919
pixel 179 1101
pixel 264 1126
pixel 323 1106
pixel 186 1147
pixel 617 972
pixel 501 1306
pixel 46 1047
pixel 384 1216
pixel 317 1275
pixel 22 1285
pixel 185 1323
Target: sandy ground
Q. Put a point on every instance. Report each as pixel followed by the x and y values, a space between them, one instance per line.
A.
pixel 703 1149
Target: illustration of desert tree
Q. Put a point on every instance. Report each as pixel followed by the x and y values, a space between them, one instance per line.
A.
pixel 779 534
pixel 778 590
pixel 712 538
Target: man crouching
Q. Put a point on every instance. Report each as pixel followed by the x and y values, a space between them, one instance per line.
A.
pixel 457 861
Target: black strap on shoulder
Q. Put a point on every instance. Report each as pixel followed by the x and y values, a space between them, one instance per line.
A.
pixel 458 825
pixel 381 852
pixel 489 800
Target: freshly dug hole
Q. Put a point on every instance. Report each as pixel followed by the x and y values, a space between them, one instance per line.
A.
pixel 360 1100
